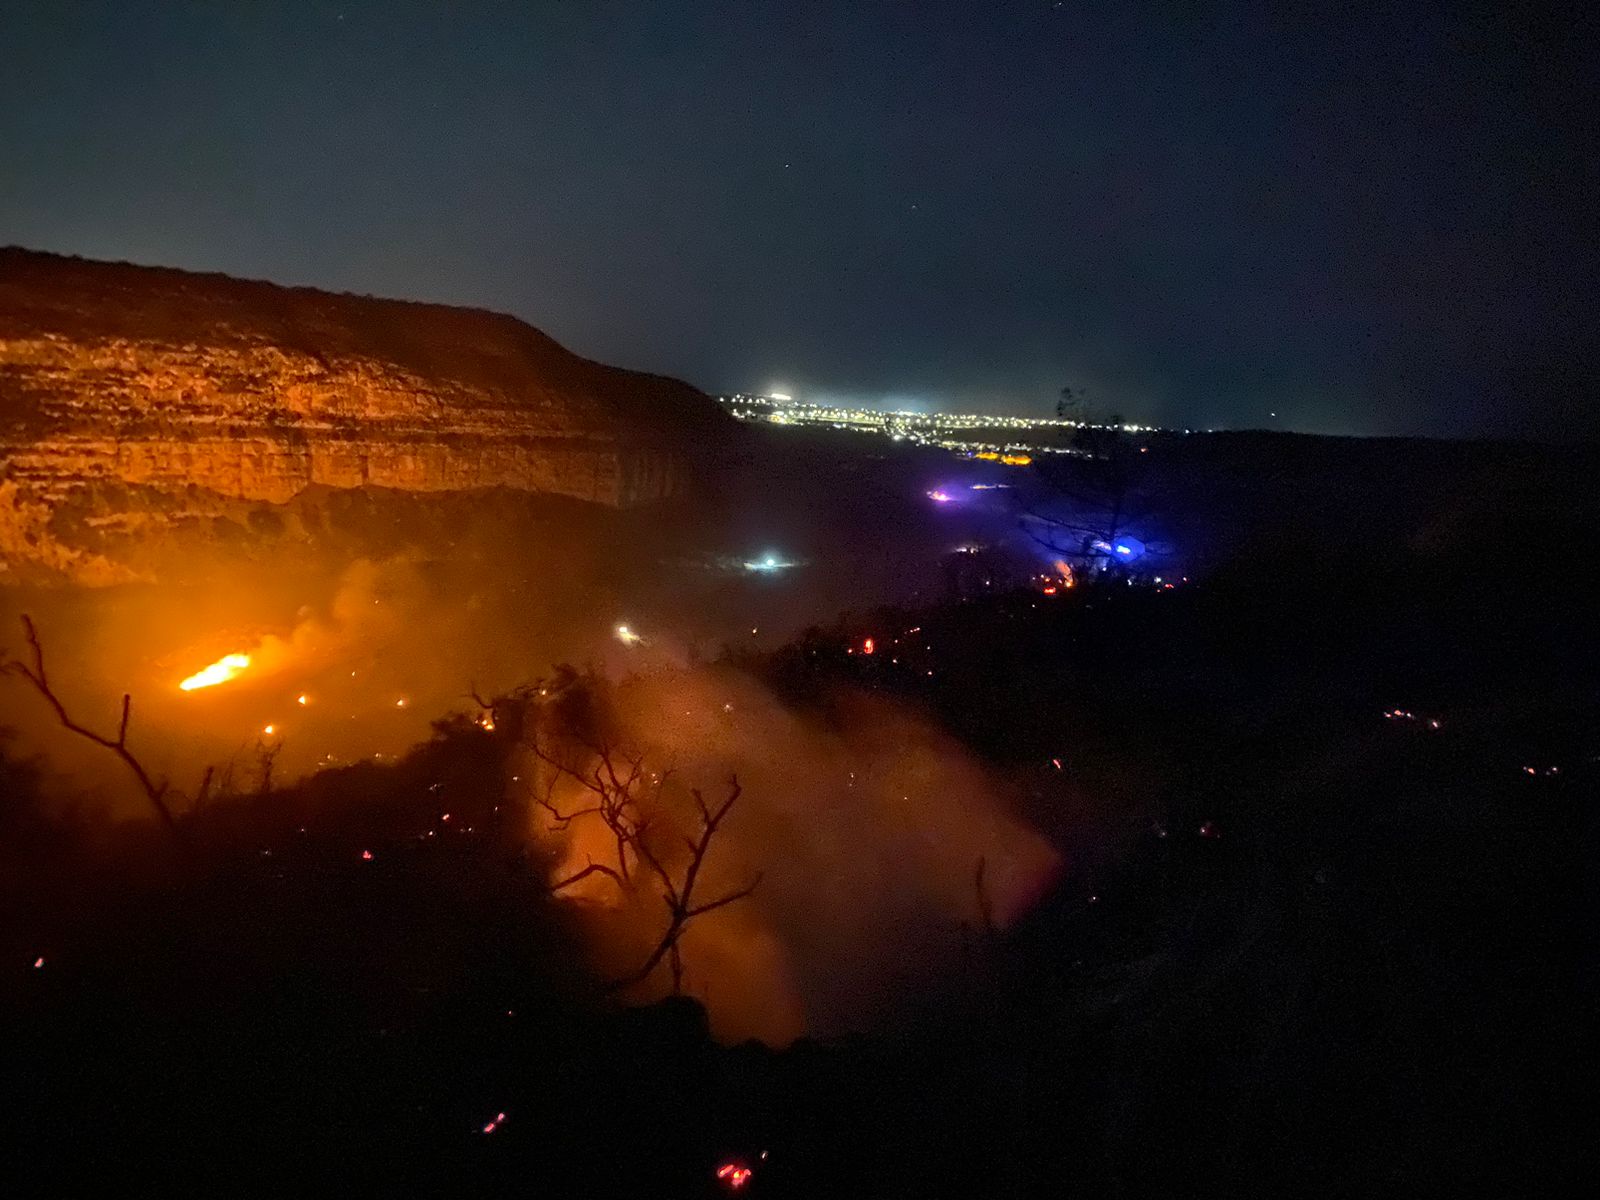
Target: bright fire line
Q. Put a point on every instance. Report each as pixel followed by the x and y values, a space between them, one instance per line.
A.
pixel 224 669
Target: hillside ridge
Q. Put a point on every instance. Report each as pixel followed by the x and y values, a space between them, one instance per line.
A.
pixel 118 379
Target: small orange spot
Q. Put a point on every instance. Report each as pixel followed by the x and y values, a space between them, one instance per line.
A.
pixel 734 1175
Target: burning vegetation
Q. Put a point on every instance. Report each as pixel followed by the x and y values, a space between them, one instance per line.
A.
pixel 225 668
pixel 602 779
pixel 1010 888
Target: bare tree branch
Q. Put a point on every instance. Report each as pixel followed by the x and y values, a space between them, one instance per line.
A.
pixel 625 792
pixel 204 794
pixel 593 868
pixel 155 792
pixel 678 898
pixel 985 908
pixel 266 760
pixel 728 899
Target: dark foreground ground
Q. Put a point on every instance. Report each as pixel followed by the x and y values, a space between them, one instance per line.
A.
pixel 1327 929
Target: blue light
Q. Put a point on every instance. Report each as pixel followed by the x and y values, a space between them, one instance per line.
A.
pixel 1126 549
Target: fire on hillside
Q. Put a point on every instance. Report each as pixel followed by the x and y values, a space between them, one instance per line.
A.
pixel 225 668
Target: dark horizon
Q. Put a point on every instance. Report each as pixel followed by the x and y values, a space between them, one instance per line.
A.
pixel 1364 224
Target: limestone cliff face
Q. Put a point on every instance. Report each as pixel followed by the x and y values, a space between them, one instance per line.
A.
pixel 119 381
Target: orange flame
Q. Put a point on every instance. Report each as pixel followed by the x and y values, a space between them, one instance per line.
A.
pixel 224 669
pixel 734 1175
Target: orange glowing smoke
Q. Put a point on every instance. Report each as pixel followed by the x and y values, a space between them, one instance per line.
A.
pixel 224 669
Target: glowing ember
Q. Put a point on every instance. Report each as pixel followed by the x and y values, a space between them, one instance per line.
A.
pixel 269 730
pixel 302 699
pixel 939 496
pixel 499 1119
pixel 868 646
pixel 734 1175
pixel 366 856
pixel 224 669
pixel 38 963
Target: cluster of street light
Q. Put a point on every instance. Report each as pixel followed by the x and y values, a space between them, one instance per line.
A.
pixel 975 434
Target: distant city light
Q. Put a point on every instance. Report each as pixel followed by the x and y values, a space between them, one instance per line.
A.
pixel 769 563
pixel 940 496
pixel 1011 440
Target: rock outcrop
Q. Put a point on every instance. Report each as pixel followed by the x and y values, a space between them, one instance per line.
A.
pixel 166 394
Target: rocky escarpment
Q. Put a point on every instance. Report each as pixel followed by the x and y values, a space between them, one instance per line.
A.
pixel 132 397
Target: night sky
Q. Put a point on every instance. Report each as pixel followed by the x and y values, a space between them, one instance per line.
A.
pixel 1362 223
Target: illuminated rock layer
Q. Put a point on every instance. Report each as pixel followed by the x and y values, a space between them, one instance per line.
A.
pixel 119 380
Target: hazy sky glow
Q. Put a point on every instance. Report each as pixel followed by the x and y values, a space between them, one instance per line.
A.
pixel 1365 223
